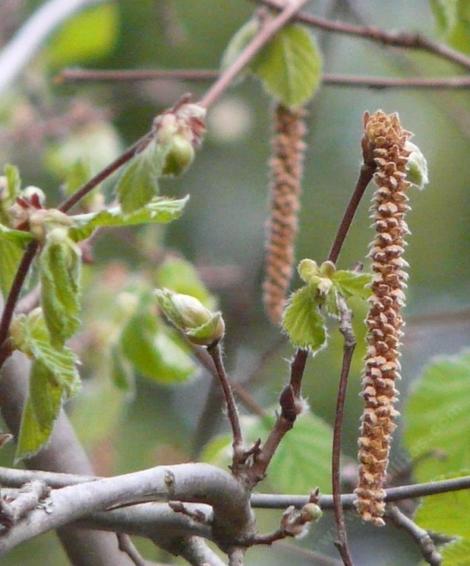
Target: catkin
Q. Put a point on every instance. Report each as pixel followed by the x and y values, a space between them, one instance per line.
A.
pixel 286 166
pixel 386 141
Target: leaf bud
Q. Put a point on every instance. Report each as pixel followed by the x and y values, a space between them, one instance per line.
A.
pixel 179 156
pixel 417 166
pixel 307 269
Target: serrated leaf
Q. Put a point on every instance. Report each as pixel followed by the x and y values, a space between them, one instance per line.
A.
pixel 89 35
pixel 153 350
pixel 303 322
pixel 59 274
pixel 301 462
pixel 32 338
pixel 10 254
pixel 447 514
pixel 453 22
pixel 180 276
pixel 40 412
pixel 353 284
pixel 290 66
pixel 138 185
pixel 436 417
pixel 158 211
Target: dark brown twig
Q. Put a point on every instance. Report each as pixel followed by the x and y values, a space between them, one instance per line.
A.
pixel 422 538
pixel 291 406
pixel 393 39
pixel 365 176
pixel 232 411
pixel 346 330
pixel 328 79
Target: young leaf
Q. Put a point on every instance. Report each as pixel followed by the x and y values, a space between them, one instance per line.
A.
pixel 157 211
pixel 30 336
pixel 353 284
pixel 153 351
pixel 59 274
pixel 436 417
pixel 40 412
pixel 138 185
pixel 121 371
pixel 11 235
pixel 180 276
pixel 10 254
pixel 303 322
pixel 290 66
pixel 302 461
pixel 417 167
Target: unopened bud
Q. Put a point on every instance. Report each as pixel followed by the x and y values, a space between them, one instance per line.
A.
pixel 179 157
pixel 34 195
pixel 311 512
pixel 307 269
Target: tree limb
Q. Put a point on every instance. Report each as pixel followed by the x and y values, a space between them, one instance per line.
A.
pixel 29 38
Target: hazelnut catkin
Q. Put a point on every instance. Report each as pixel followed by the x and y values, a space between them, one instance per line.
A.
pixel 385 141
pixel 286 166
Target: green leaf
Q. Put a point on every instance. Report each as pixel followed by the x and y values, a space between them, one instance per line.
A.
pixel 353 284
pixel 445 513
pixel 138 185
pixel 456 553
pixel 180 276
pixel 11 235
pixel 59 274
pixel 40 412
pixel 89 35
pixel 290 66
pixel 301 462
pixel 30 335
pixel 453 22
pixel 10 254
pixel 121 371
pixel 10 190
pixel 237 44
pixel 155 351
pixel 417 167
pixel 207 333
pixel 437 417
pixel 158 211
pixel 303 322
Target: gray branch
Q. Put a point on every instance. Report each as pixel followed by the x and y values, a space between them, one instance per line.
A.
pixel 193 483
pixel 29 38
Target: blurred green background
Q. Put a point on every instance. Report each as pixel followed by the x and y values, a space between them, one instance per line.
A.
pixel 222 229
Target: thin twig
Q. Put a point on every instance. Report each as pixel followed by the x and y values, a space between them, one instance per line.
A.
pixel 365 176
pixel 346 330
pixel 422 538
pixel 267 32
pixel 13 477
pixel 232 411
pixel 328 79
pixel 291 406
pixel 393 39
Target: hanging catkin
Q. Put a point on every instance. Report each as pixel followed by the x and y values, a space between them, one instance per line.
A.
pixel 286 167
pixel 386 140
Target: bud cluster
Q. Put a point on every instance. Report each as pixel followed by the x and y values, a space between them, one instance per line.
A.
pixel 387 142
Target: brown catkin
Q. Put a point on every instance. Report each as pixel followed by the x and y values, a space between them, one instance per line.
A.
pixel 385 141
pixel 286 166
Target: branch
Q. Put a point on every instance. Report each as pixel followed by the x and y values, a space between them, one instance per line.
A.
pixel 422 538
pixel 393 39
pixel 346 330
pixel 328 79
pixel 126 545
pixel 26 42
pixel 197 483
pixel 12 477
